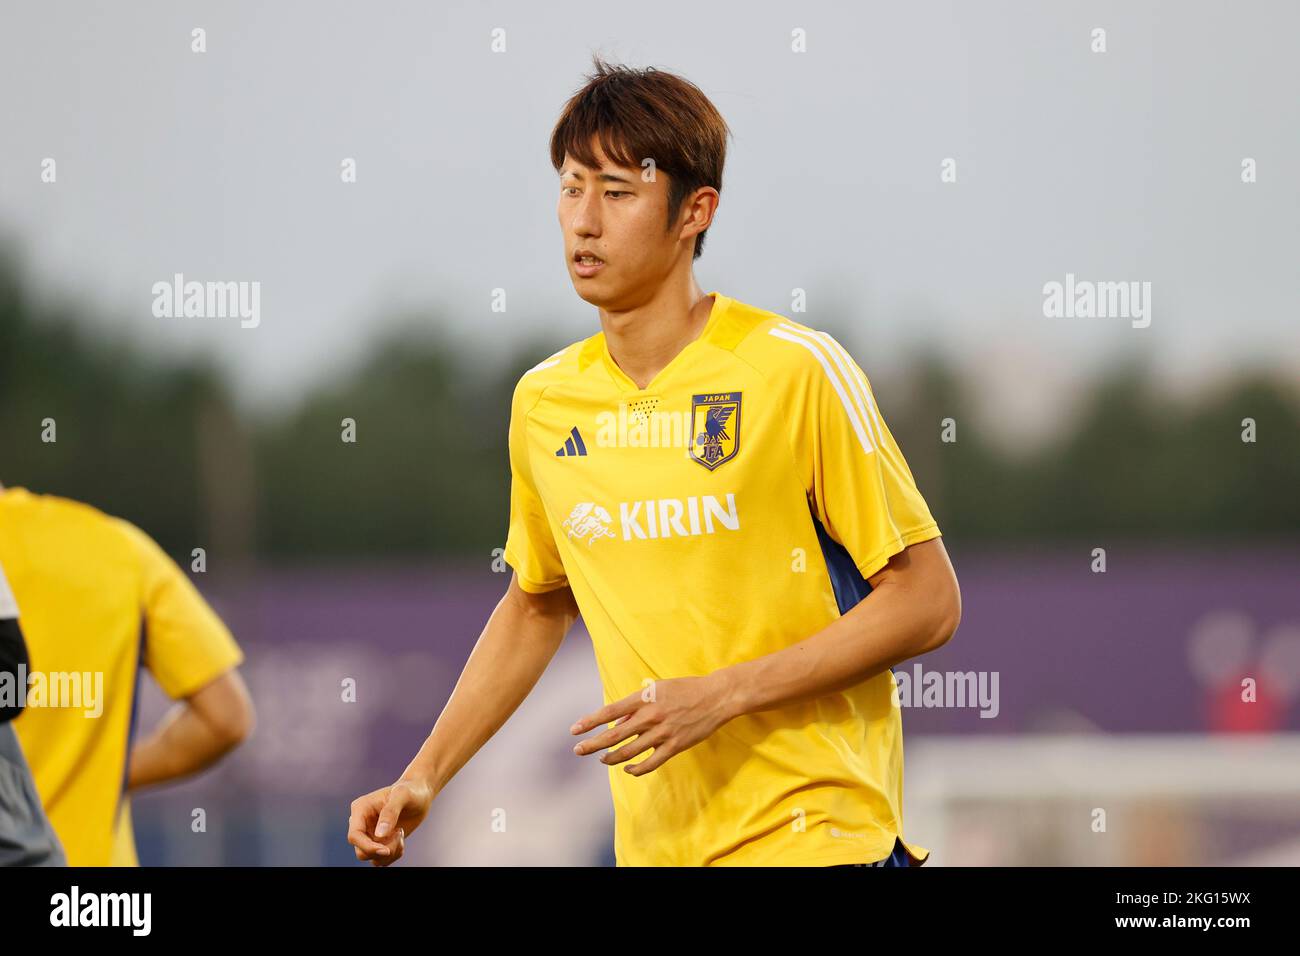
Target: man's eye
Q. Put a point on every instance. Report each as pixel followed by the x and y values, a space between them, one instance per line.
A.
pixel 615 192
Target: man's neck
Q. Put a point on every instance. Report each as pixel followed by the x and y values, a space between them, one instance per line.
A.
pixel 642 341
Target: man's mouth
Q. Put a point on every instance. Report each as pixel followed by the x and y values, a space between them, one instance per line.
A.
pixel 587 265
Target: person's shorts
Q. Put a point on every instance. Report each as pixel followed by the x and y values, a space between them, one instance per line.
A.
pixel 897 858
pixel 26 837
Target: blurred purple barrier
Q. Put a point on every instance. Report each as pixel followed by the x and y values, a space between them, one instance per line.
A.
pixel 1160 642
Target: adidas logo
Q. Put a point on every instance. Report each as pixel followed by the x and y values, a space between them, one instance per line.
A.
pixel 573 445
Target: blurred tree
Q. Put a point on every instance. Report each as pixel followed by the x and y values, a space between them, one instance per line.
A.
pixel 125 428
pixel 162 444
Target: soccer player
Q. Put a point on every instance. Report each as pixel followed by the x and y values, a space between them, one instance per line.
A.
pixel 713 488
pixel 26 838
pixel 100 601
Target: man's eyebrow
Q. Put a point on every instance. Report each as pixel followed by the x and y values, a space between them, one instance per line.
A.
pixel 603 177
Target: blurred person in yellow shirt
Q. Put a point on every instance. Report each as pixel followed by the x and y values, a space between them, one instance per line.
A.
pixel 100 601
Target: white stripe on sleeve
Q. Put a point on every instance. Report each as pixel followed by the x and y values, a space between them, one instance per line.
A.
pixel 849 408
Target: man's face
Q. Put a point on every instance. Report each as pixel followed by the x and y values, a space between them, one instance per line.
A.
pixel 611 213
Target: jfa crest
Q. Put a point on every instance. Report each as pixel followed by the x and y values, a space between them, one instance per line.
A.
pixel 715 427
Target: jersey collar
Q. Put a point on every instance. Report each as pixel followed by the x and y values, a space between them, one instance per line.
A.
pixel 594 348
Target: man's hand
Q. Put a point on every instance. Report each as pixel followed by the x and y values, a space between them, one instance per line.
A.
pixel 381 820
pixel 669 715
pixel 522 635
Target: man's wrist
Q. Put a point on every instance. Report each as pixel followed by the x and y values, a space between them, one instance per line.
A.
pixel 423 774
pixel 730 690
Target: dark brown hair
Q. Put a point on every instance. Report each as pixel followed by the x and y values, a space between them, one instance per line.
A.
pixel 646 114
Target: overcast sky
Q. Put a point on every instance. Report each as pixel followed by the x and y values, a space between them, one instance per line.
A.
pixel 225 165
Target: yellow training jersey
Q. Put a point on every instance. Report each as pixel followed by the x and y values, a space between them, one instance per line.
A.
pixel 98 596
pixel 730 509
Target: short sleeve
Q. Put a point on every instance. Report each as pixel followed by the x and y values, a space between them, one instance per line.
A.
pixel 186 644
pixel 530 544
pixel 858 484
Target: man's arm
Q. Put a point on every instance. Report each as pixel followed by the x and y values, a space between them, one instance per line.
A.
pixel 518 642
pixel 195 733
pixel 193 656
pixel 914 607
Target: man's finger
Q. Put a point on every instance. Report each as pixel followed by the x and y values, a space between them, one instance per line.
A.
pixel 638 746
pixel 393 807
pixel 399 847
pixel 624 729
pixel 652 762
pixel 366 845
pixel 604 715
pixel 359 837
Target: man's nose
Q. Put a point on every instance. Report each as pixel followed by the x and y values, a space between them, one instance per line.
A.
pixel 586 217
